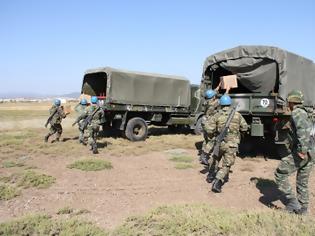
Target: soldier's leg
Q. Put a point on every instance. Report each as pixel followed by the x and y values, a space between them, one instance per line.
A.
pixel 59 132
pixel 213 168
pixel 286 167
pixel 81 137
pixel 93 130
pixel 204 156
pixel 228 160
pixel 90 136
pixel 52 131
pixel 302 178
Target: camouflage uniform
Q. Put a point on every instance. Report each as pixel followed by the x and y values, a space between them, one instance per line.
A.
pixel 299 142
pixel 93 127
pixel 211 106
pixel 80 109
pixel 55 122
pixel 229 145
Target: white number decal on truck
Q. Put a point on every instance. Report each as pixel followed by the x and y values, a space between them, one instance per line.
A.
pixel 264 102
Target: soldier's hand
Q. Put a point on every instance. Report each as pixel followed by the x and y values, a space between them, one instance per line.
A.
pixel 301 155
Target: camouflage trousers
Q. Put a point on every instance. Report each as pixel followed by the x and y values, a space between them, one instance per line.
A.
pixel 207 143
pixel 81 134
pixel 227 156
pixel 92 131
pixel 289 165
pixel 55 128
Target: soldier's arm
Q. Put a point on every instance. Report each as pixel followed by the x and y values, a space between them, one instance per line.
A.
pixel 211 126
pixel 243 124
pixel 82 116
pixel 76 108
pixel 62 112
pixel 300 120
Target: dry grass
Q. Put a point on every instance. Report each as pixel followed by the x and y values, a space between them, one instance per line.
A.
pixel 10 164
pixel 123 147
pixel 183 166
pixel 201 219
pixel 45 225
pixel 188 219
pixel 28 179
pixel 91 165
pixel 8 192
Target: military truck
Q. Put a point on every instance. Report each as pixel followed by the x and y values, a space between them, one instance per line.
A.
pixel 265 75
pixel 134 100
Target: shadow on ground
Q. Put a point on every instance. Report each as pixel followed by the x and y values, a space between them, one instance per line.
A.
pixel 269 190
pixel 153 131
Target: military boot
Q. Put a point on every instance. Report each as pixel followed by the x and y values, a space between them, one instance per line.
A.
pixel 81 141
pixel 46 138
pixel 302 211
pixel 94 148
pixel 204 158
pixel 293 206
pixel 217 186
pixel 210 177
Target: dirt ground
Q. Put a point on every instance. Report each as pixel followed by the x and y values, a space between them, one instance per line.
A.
pixel 137 182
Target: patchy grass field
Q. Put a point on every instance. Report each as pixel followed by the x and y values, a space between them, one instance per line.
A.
pixel 36 180
pixel 196 219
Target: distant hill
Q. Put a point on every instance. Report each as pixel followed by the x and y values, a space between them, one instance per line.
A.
pixel 36 95
pixel 70 95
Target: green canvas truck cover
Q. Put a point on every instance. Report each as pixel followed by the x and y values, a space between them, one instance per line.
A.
pixel 264 69
pixel 139 88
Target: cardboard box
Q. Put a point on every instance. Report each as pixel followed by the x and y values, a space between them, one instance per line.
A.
pixel 87 97
pixel 228 82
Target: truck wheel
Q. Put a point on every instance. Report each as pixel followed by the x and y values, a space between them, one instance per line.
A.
pixel 136 129
pixel 198 127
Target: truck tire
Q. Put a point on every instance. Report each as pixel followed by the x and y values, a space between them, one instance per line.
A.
pixel 136 129
pixel 198 127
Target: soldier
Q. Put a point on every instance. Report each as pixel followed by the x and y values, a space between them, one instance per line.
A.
pixel 229 145
pixel 211 104
pixel 56 115
pixel 300 157
pixel 92 118
pixel 80 109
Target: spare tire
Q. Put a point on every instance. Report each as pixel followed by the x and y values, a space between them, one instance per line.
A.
pixel 136 129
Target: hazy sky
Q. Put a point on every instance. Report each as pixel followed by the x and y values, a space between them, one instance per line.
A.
pixel 45 46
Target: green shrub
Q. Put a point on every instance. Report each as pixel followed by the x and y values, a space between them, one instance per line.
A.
pixel 182 166
pixel 29 179
pixel 10 164
pixel 91 165
pixel 186 159
pixel 7 192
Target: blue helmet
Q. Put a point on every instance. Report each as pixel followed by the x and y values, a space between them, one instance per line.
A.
pixel 225 100
pixel 57 102
pixel 210 93
pixel 94 99
pixel 83 101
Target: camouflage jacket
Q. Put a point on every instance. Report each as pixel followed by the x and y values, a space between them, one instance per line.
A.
pixel 59 114
pixel 211 106
pixel 80 109
pixel 215 124
pixel 299 136
pixel 97 117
